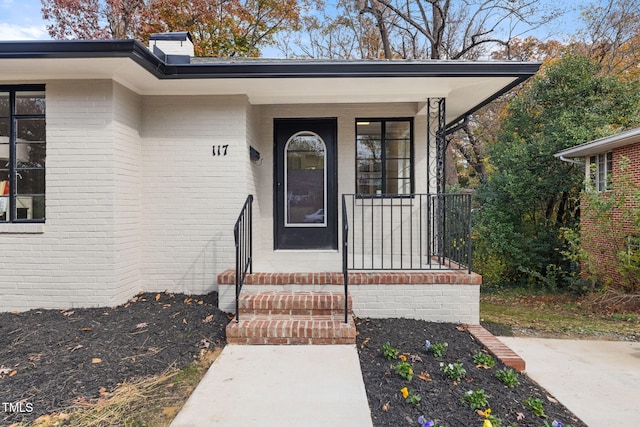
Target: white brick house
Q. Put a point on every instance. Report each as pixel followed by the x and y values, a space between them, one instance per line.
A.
pixel 150 158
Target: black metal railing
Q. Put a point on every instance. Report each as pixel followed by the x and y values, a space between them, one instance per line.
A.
pixel 243 235
pixel 345 258
pixel 408 232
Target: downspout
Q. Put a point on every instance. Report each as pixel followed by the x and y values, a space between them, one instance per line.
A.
pixel 575 162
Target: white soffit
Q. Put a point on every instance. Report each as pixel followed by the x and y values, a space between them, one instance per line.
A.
pixel 462 93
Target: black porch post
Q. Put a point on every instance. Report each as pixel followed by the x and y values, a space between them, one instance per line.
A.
pixel 436 145
pixel 436 154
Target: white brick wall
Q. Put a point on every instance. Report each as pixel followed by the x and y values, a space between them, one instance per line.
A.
pixel 127 206
pixel 71 262
pixel 436 303
pixel 257 169
pixel 136 200
pixel 190 198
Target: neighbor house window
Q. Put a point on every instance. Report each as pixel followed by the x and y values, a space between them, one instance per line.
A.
pixel 601 167
pixel 22 153
pixel 384 156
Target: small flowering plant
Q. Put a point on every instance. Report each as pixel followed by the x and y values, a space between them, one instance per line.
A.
pixel 389 352
pixel 483 360
pixel 488 417
pixel 405 392
pixel 477 399
pixel 454 371
pixel 404 368
pixel 535 405
pixel 438 349
pixel 555 423
pixel 424 422
pixel 411 396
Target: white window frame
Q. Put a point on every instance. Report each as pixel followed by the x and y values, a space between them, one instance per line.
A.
pixel 599 171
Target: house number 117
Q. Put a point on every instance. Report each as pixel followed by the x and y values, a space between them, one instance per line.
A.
pixel 220 150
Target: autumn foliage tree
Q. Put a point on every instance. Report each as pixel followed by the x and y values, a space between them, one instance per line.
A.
pixel 91 19
pixel 531 195
pixel 219 28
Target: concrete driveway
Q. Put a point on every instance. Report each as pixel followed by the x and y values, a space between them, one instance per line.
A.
pixel 599 381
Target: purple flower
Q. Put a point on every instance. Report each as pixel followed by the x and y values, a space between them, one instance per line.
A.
pixel 427 345
pixel 556 424
pixel 424 422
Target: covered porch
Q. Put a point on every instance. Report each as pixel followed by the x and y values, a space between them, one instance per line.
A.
pixel 353 218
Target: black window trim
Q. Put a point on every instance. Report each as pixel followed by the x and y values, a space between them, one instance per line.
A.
pixel 10 217
pixel 382 121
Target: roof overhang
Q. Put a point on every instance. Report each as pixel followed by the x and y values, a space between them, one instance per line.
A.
pixel 601 145
pixel 466 85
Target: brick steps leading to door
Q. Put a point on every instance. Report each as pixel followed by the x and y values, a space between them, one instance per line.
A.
pixel 292 318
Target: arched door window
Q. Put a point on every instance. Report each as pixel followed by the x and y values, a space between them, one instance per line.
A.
pixel 305 180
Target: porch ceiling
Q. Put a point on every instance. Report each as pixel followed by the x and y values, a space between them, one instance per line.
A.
pixel 466 85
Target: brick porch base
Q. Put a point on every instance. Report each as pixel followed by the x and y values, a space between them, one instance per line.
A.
pixel 437 296
pixel 287 308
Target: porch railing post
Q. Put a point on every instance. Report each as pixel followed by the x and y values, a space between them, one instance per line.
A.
pixel 243 238
pixel 345 257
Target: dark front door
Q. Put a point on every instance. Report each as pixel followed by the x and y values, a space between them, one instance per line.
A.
pixel 306 193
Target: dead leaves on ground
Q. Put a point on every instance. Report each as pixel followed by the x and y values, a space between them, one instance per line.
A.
pixel 424 376
pixel 50 420
pixel 170 412
pixel 7 372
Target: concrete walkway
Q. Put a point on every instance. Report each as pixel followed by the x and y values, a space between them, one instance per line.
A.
pixel 263 385
pixel 599 381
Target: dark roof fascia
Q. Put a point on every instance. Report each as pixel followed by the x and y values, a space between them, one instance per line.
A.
pixel 346 69
pixel 89 49
pixel 258 69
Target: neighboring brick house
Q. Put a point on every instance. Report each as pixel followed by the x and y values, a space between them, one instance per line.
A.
pixel 612 169
pixel 125 168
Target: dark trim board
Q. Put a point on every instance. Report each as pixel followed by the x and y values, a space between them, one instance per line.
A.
pixel 260 68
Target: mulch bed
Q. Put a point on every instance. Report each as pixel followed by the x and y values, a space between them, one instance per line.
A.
pixel 54 360
pixel 441 397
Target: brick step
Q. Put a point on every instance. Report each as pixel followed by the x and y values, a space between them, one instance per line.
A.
pixel 292 318
pixel 293 303
pixel 291 329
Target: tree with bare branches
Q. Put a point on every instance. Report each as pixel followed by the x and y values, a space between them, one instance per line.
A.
pixel 612 36
pixel 465 30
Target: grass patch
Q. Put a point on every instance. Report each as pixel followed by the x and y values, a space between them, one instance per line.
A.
pixel 556 315
pixel 152 401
